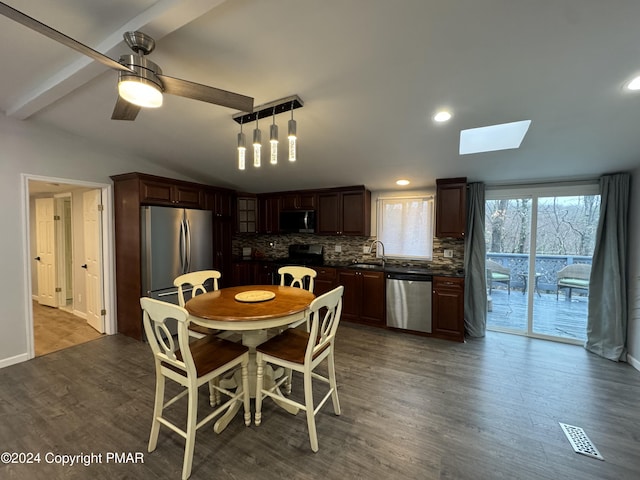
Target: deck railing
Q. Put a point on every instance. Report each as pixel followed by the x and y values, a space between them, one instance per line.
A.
pixel 547 266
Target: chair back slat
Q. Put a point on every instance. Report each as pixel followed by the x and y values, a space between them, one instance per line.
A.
pixel 325 312
pixel 196 280
pixel 298 275
pixel 155 318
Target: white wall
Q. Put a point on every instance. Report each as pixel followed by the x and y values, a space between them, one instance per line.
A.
pixel 633 332
pixel 36 150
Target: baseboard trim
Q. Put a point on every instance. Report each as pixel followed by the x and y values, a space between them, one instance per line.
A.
pixel 633 362
pixel 7 362
pixel 80 314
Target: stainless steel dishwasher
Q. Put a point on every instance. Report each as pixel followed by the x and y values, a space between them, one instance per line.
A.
pixel 409 301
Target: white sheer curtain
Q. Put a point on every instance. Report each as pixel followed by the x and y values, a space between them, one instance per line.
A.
pixel 405 226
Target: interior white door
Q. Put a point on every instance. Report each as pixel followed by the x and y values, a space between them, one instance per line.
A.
pixel 46 252
pixel 92 219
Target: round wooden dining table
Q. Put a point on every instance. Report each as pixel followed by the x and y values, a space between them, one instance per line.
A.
pixel 278 306
pixel 250 310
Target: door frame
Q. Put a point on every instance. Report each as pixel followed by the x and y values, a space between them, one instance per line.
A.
pixel 534 192
pixel 108 252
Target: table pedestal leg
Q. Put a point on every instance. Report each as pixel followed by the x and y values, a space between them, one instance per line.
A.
pixel 251 339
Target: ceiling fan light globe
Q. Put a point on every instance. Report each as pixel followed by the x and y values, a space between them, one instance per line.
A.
pixel 139 92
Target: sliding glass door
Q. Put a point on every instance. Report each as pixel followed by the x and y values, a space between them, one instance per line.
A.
pixel 545 293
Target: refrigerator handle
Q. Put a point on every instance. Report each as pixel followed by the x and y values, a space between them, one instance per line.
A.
pixel 188 262
pixel 183 246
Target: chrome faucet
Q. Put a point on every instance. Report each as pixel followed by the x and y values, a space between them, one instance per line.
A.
pixel 382 245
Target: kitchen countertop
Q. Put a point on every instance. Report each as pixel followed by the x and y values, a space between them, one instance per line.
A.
pixel 372 266
pixel 396 268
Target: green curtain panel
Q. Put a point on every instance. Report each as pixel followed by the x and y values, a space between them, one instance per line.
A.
pixel 607 317
pixel 475 288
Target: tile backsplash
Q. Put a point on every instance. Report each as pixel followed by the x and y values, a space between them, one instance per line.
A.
pixel 274 246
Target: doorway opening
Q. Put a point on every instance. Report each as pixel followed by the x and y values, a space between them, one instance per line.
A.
pixel 534 237
pixel 69 251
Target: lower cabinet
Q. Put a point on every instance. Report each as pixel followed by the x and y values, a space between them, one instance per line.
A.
pixel 325 281
pixel 364 296
pixel 448 308
pixel 253 273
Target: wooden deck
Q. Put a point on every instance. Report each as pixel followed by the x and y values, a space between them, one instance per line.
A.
pixel 558 318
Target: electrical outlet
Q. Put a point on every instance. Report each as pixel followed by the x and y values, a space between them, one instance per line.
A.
pixel 366 249
pixel 448 253
pixel 79 298
pixel 338 248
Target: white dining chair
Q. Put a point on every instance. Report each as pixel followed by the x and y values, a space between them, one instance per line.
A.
pixel 196 281
pixel 301 277
pixel 190 364
pixel 302 352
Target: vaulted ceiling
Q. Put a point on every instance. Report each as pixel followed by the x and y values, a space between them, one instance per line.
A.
pixel 371 74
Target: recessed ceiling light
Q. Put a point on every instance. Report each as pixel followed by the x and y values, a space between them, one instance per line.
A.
pixel 403 182
pixel 504 136
pixel 634 84
pixel 442 116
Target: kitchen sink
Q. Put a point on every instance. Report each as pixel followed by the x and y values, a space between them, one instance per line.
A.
pixel 369 266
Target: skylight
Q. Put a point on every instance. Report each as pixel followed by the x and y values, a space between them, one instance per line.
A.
pixel 504 136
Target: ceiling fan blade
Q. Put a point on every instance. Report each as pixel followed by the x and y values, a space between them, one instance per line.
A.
pixel 196 91
pixel 47 31
pixel 124 110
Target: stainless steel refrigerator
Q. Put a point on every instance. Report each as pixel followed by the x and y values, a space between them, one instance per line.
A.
pixel 174 241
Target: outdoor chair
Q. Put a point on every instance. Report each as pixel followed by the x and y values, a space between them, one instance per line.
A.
pixel 573 276
pixel 498 273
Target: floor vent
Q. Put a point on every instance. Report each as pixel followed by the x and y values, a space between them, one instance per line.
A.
pixel 580 442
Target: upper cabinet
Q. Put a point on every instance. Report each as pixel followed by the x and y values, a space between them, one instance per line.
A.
pixel 299 201
pixel 344 212
pixel 451 207
pixel 159 191
pixel 220 202
pixel 247 214
pixel 339 211
pixel 269 213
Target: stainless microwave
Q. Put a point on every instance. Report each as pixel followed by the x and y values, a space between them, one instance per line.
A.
pixel 298 221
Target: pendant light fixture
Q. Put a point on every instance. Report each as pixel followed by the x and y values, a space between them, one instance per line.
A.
pixel 274 140
pixel 292 138
pixel 257 146
pixel 242 149
pixel 264 111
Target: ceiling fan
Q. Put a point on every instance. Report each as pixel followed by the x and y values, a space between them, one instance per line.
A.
pixel 136 73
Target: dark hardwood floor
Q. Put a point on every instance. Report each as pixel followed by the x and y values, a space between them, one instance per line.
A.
pixel 412 408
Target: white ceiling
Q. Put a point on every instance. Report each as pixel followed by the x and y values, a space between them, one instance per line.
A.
pixel 371 74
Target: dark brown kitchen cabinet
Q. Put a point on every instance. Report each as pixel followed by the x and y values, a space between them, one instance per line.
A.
pixel 325 281
pixel 299 201
pixel 451 207
pixel 263 273
pixel 364 296
pixel 159 191
pixel 247 215
pixel 220 202
pixel 344 212
pixel 249 272
pixel 269 213
pixel 131 191
pixel 222 249
pixel 448 308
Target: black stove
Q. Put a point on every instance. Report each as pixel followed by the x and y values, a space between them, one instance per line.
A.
pixel 303 255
